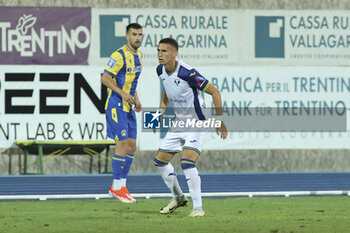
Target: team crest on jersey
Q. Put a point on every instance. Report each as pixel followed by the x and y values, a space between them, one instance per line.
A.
pixel 123 133
pixel 177 82
pixel 111 62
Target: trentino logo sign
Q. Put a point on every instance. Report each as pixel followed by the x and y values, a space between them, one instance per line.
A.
pixel 269 36
pixel 112 33
pixel 47 35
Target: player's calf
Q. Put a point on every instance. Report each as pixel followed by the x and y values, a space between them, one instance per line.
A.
pixel 194 185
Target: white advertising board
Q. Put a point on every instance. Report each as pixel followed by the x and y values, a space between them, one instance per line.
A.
pixel 229 37
pixel 295 38
pixel 56 103
pixel 255 89
pixel 204 35
pixel 65 103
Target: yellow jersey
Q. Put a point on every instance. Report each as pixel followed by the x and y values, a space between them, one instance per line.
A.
pixel 125 67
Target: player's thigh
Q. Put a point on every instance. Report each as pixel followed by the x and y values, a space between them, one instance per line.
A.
pixel 193 145
pixel 116 120
pixel 171 143
pixel 132 127
pixel 117 127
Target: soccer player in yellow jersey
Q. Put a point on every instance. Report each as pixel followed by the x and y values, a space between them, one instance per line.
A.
pixel 120 76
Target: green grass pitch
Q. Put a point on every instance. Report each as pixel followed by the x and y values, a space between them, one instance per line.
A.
pixel 278 214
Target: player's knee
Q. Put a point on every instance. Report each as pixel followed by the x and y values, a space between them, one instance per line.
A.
pixel 159 162
pixel 122 147
pixel 187 163
pixel 132 148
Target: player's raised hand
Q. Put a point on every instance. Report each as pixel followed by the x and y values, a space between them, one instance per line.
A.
pixel 222 130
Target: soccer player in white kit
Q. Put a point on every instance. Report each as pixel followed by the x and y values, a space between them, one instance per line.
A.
pixel 182 88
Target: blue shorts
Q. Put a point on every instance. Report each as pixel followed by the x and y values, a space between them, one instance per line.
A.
pixel 120 125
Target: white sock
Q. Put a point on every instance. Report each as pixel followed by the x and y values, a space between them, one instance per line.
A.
pixel 194 186
pixel 177 190
pixel 123 182
pixel 169 177
pixel 117 184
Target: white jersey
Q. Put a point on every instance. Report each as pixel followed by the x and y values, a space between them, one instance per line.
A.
pixel 183 88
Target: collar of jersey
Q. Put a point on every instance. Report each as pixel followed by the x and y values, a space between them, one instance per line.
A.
pixel 126 45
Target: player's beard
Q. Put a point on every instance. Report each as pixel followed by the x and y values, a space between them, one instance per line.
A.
pixel 135 45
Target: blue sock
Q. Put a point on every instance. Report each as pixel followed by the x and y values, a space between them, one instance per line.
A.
pixel 117 165
pixel 128 161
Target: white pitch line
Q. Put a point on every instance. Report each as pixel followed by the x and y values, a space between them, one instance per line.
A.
pixel 168 195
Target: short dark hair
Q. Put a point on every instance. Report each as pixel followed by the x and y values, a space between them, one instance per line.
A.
pixel 170 41
pixel 133 26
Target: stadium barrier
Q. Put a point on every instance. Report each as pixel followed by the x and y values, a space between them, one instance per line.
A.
pixel 58 148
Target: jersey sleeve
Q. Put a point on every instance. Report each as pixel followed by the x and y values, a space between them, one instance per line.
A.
pixel 196 80
pixel 159 70
pixel 114 64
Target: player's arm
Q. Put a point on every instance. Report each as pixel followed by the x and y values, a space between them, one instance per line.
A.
pixel 108 81
pixel 138 105
pixel 196 80
pixel 216 95
pixel 164 102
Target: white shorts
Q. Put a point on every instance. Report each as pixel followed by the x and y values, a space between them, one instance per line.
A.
pixel 174 142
